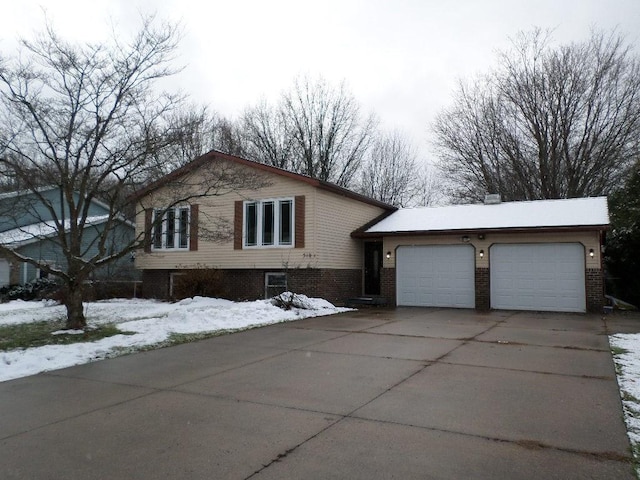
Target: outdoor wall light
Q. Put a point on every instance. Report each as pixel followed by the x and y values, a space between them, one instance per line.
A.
pixel 465 239
pixel 591 252
pixel 481 253
pixel 388 254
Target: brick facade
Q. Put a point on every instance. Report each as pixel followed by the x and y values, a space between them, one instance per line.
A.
pixel 337 286
pixel 595 290
pixel 334 285
pixel 483 289
pixel 388 285
pixel 155 283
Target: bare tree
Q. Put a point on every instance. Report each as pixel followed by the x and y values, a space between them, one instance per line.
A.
pixel 200 131
pixel 268 137
pixel 392 173
pixel 87 118
pixel 315 129
pixel 547 123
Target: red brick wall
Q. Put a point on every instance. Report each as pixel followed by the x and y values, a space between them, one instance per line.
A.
pixel 155 283
pixel 388 285
pixel 595 290
pixel 336 286
pixel 483 290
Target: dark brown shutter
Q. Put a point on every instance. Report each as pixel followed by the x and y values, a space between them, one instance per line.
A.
pixel 193 227
pixel 300 216
pixel 237 225
pixel 148 234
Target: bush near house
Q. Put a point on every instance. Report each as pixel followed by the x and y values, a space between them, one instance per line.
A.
pixel 39 289
pixel 203 282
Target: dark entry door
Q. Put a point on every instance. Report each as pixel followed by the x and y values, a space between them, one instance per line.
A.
pixel 372 267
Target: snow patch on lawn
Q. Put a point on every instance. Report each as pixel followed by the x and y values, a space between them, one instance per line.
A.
pixel 626 355
pixel 68 332
pixel 144 323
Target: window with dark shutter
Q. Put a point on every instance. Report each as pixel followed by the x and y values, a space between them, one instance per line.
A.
pixel 171 229
pixel 267 223
pixel 300 221
pixel 193 227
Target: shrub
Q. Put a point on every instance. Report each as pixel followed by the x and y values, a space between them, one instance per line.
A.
pixel 39 289
pixel 204 282
pixel 289 300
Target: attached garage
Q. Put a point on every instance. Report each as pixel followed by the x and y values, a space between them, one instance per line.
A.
pixel 541 255
pixel 435 276
pixel 541 277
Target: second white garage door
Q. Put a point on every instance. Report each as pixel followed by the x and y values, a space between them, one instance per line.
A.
pixel 435 276
pixel 546 277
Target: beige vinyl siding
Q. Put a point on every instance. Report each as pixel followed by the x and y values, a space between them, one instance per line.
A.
pixel 590 240
pixel 336 217
pixel 329 221
pixel 222 255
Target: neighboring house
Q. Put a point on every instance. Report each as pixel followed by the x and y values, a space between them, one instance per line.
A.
pixel 536 255
pixel 26 227
pixel 322 240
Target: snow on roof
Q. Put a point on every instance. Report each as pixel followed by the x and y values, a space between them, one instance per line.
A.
pixel 572 212
pixel 39 231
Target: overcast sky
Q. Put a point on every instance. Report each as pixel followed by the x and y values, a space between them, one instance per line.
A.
pixel 401 59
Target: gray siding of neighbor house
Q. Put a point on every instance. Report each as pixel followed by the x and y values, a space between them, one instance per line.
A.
pixel 48 251
pixel 18 211
pixel 26 209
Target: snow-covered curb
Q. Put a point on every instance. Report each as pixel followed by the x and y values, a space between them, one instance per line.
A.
pixel 626 355
pixel 151 323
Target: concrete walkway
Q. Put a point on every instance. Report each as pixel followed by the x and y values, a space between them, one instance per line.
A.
pixel 405 394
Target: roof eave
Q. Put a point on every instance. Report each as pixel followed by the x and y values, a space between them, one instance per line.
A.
pixel 362 231
pixel 471 231
pixel 213 155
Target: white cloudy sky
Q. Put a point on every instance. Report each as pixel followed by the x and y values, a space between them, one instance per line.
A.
pixel 401 59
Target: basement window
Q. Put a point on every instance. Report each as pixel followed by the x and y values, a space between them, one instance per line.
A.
pixel 275 283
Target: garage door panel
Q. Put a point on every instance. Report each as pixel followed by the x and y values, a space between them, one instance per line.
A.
pixel 436 276
pixel 548 277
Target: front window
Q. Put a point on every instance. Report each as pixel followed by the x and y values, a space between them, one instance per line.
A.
pixel 268 223
pixel 171 228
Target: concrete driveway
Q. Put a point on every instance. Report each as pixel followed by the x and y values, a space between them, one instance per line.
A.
pixel 405 393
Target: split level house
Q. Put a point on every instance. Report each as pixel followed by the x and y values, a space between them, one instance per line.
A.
pixel 294 232
pixel 27 227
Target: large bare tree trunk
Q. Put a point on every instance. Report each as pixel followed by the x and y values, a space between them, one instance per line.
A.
pixel 75 311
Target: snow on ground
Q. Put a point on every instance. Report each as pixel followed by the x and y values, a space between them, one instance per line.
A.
pixel 626 350
pixel 150 321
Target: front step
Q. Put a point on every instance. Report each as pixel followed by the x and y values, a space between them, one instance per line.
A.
pixel 367 301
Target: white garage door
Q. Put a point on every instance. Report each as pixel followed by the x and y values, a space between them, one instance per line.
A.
pixel 546 277
pixel 4 272
pixel 435 276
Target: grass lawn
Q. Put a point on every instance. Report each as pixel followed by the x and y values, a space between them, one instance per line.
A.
pixel 26 335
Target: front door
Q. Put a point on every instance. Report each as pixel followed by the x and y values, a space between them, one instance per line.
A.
pixel 372 267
